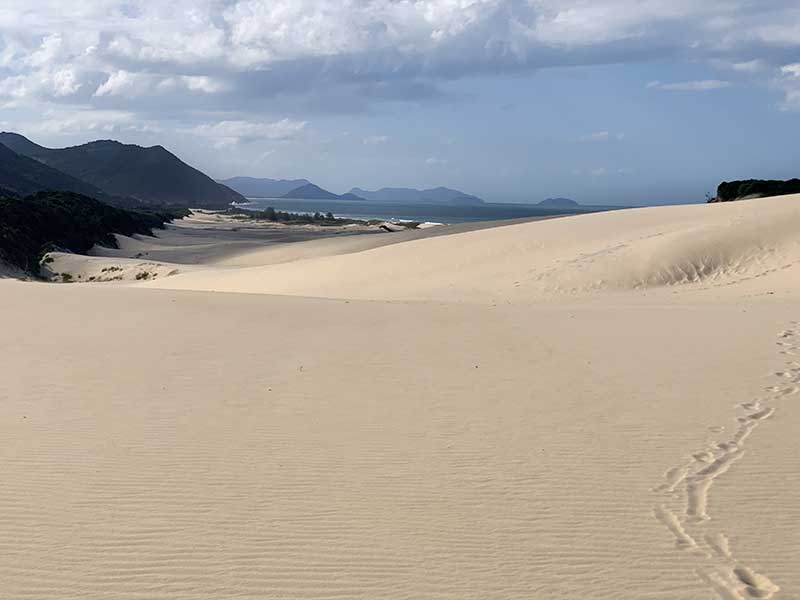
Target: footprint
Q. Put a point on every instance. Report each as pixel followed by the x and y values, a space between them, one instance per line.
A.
pixel 683 540
pixel 720 545
pixel 762 414
pixel 718 566
pixel 674 476
pixel 790 391
pixel 703 457
pixel 756 585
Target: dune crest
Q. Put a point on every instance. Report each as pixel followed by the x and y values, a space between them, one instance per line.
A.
pixel 636 249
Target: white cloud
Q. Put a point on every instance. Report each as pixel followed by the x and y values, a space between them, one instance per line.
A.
pixel 14 87
pixel 375 139
pixel 750 66
pixel 227 133
pixel 383 35
pixel 208 85
pixel 65 82
pixel 789 84
pixel 705 85
pixel 434 162
pixel 120 82
pixel 66 121
pixel 183 54
pixel 601 136
pixel 597 136
pixel 791 71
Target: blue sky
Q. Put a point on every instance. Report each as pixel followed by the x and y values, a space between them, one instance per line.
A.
pixel 604 101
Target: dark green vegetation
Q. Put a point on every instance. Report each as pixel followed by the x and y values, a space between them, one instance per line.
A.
pixel 755 188
pixel 22 176
pixel 46 221
pixel 288 218
pixel 149 176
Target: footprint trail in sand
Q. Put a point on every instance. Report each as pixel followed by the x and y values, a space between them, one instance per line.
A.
pixel 683 509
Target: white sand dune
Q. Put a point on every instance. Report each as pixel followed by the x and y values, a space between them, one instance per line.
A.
pixel 616 251
pixel 601 406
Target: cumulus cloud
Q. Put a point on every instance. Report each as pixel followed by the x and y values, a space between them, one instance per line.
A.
pixel 71 122
pixel 705 85
pixel 120 82
pixel 110 54
pixel 385 37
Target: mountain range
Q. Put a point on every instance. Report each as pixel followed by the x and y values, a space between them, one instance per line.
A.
pixel 310 191
pixel 304 189
pixel 253 187
pixel 133 176
pixel 439 195
pixel 130 173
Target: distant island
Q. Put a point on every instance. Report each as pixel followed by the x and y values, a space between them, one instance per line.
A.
pixel 303 189
pixel 559 203
pixel 310 191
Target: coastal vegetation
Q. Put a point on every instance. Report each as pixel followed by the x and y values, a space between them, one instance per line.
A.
pixel 324 219
pixel 755 188
pixel 46 221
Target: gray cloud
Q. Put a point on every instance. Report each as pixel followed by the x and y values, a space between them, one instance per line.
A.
pixel 216 61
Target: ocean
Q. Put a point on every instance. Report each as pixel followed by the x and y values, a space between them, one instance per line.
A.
pixel 436 213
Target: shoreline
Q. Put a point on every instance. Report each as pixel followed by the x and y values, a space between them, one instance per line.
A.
pixel 444 213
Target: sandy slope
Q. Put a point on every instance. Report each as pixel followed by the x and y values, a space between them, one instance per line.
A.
pixel 616 251
pixel 595 407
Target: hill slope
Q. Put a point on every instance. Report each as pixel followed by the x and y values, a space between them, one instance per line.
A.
pixel 151 175
pixel 22 175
